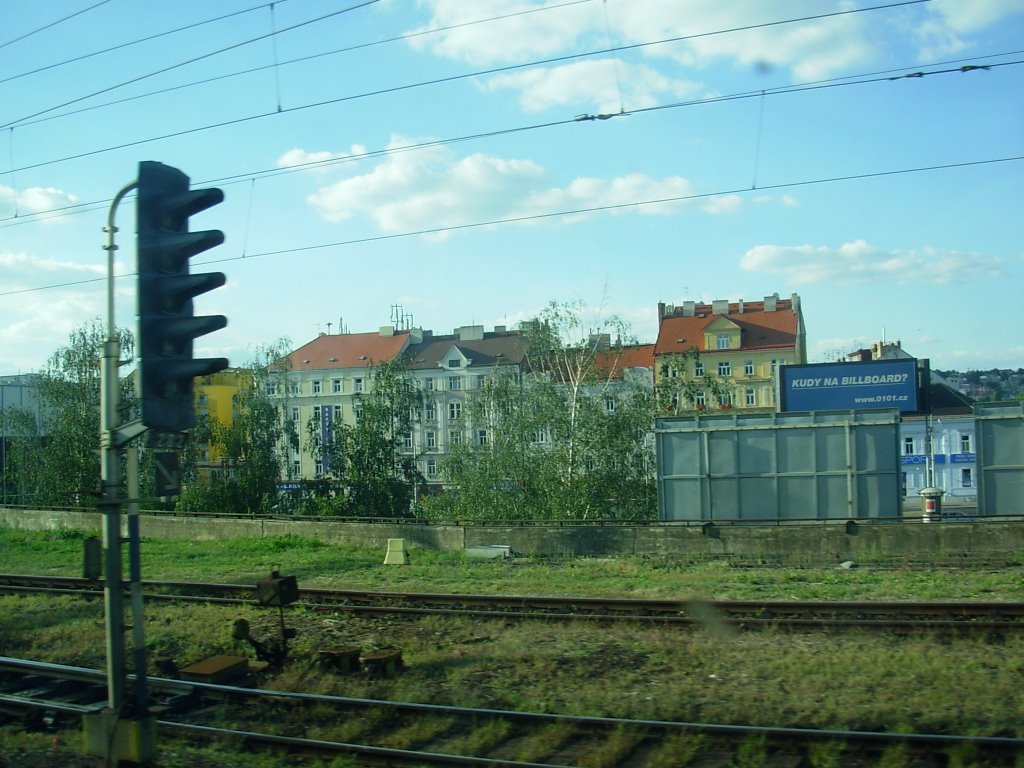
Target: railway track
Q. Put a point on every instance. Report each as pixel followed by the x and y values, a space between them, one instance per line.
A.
pixel 397 733
pixel 739 614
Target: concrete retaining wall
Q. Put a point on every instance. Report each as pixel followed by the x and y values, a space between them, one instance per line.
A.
pixel 793 544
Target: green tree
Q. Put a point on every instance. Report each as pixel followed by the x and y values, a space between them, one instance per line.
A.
pixel 370 476
pixel 54 461
pixel 250 447
pixel 567 438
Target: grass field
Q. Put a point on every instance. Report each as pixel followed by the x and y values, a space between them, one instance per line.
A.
pixel 817 680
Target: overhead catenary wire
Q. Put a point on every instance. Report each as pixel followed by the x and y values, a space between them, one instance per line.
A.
pixel 137 41
pixel 43 28
pixel 495 70
pixel 558 214
pixel 193 60
pixel 851 80
pixel 299 60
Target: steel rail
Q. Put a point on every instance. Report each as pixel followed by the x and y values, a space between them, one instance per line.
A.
pixel 632 608
pixel 181 687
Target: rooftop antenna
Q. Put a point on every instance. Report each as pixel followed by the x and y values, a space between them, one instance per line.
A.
pixel 329 324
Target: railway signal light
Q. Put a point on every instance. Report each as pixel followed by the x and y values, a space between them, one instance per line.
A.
pixel 167 325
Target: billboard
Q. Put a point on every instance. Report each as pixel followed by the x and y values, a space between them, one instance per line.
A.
pixel 853 386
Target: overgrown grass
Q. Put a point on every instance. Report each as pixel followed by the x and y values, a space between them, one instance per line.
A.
pixel 813 680
pixel 315 563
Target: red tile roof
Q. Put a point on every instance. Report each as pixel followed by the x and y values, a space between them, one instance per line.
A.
pixel 347 350
pixel 760 329
pixel 615 361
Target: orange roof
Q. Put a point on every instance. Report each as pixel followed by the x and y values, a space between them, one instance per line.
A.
pixel 615 361
pixel 759 329
pixel 347 350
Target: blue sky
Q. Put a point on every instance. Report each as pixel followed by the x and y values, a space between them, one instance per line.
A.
pixel 446 157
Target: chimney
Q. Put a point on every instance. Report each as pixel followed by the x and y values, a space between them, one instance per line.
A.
pixel 720 307
pixel 661 310
pixel 387 330
pixel 739 306
pixel 689 308
pixel 500 329
pixel 770 302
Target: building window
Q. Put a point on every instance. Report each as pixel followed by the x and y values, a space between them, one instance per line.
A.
pixel 296 468
pixel 725 400
pixel 751 397
pixel 699 398
pixel 748 368
pixel 295 413
pixel 965 477
pixel 480 381
pixel 481 437
pixel 722 341
pixel 270 390
pixel 318 468
pixel 337 413
pixel 540 436
pixel 724 368
pixel 431 468
pixel 454 363
pixel 357 410
pixel 431 441
pixel 407 441
pixel 316 387
pixel 335 386
pixel 431 411
pixel 965 444
pixel 293 388
pixel 609 405
pixel 455 437
pixel 454 409
pixel 669 371
pixel 357 385
pixel 316 414
pixel 908 446
pixel 698 368
pixel 430 385
pixel 775 365
pixel 454 382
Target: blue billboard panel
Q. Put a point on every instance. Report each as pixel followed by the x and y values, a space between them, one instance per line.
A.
pixel 849 386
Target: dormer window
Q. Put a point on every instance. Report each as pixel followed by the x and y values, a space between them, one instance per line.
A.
pixel 455 363
pixel 722 341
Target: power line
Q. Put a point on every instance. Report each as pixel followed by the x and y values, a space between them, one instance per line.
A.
pixel 301 59
pixel 869 78
pixel 557 214
pixel 52 24
pixel 130 43
pixel 494 70
pixel 193 60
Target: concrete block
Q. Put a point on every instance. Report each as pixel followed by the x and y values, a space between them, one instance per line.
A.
pixel 129 740
pixel 396 554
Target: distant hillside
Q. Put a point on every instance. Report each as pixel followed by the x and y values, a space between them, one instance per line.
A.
pixel 996 384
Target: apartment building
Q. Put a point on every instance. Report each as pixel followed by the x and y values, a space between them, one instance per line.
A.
pixel 322 382
pixel 726 354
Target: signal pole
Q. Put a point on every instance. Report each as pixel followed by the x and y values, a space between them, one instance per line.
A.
pixel 126 731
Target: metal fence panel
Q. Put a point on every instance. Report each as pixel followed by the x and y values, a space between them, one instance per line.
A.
pixel 818 465
pixel 999 430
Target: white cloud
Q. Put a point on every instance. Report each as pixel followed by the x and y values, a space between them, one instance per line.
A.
pixel 32 201
pixel 811 49
pixel 949 24
pixel 296 157
pixel 602 86
pixel 723 204
pixel 858 262
pixel 433 189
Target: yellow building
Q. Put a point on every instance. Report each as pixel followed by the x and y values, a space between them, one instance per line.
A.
pixel 725 355
pixel 218 396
